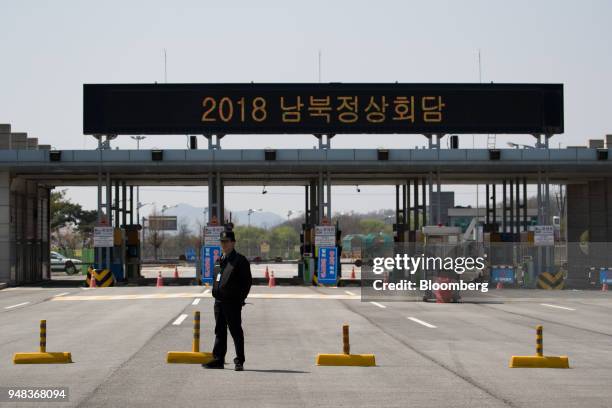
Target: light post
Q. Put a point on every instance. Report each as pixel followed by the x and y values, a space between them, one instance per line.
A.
pixel 251 211
pixel 138 138
pixel 139 205
pixel 289 214
pixel 163 210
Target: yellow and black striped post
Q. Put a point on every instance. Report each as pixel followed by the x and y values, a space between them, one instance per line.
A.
pixel 43 336
pixel 196 332
pixel 345 339
pixel 539 342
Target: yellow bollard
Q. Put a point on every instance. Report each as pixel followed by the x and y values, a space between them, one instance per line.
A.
pixel 195 356
pixel 195 347
pixel 345 339
pixel 539 342
pixel 42 357
pixel 539 360
pixel 346 359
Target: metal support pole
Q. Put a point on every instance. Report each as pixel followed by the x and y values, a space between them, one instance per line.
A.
pixel 116 220
pixel 525 203
pixel 108 211
pixel 547 211
pixel 124 200
pixel 518 207
pixel 329 208
pixel 539 341
pixel 439 209
pixel 306 208
pixel 416 204
pixel 511 208
pixel 211 202
pixel 407 205
pixel 397 204
pixel 98 251
pixel 487 202
pixel 494 203
pixel 132 205
pixel 219 211
pixel 314 202
pixel 430 211
pixel 504 205
pixel 539 198
pixel 424 208
pixel 320 199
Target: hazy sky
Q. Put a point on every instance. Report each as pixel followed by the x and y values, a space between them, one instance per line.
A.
pixel 50 48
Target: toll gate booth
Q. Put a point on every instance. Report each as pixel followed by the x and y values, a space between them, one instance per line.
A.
pixel 432 110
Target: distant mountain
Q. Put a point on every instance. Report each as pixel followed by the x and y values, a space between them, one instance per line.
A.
pixel 191 215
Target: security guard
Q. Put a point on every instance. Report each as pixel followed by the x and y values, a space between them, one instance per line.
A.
pixel 231 286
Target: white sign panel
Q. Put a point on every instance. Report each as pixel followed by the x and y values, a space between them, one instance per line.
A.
pixel 325 236
pixel 103 237
pixel 212 235
pixel 543 235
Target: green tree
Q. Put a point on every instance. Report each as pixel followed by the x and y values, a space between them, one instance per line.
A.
pixel 283 239
pixel 248 239
pixel 63 211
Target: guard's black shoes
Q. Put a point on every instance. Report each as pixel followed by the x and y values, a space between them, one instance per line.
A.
pixel 213 364
pixel 238 367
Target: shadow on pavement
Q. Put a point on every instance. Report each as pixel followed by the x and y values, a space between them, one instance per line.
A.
pixel 279 371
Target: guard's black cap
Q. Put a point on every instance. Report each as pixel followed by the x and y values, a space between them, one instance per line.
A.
pixel 228 236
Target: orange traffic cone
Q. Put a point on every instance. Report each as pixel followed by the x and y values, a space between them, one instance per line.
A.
pixel 92 279
pixel 353 273
pixel 272 280
pixel 267 275
pixel 499 285
pixel 160 280
pixel 604 287
pixel 176 275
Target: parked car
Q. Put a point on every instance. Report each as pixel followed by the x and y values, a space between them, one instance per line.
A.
pixel 60 263
pixel 278 259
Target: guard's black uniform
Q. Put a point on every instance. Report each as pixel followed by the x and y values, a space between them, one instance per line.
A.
pixel 230 288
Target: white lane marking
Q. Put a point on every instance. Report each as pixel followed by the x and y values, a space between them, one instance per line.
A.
pixel 206 295
pixel 206 291
pixel 179 319
pixel 556 307
pixel 17 305
pixel 62 294
pixel 196 301
pixel 379 305
pixel 348 292
pixel 414 319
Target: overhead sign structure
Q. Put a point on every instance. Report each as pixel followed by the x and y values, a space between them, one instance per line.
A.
pixel 333 108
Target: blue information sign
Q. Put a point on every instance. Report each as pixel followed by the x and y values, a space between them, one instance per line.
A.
pixel 209 256
pixel 328 265
pixel 503 275
pixel 605 276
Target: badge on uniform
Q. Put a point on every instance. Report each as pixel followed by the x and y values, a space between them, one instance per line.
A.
pixel 218 277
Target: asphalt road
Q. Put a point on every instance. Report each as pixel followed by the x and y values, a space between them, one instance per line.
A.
pixel 427 354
